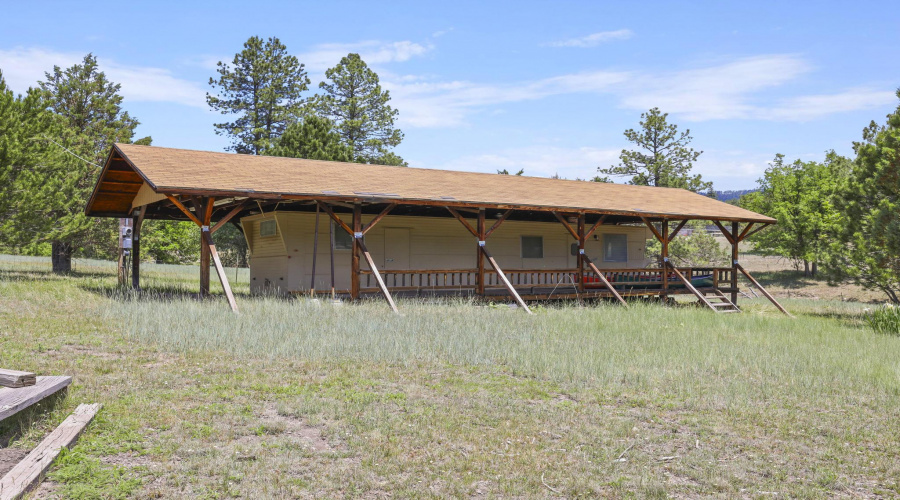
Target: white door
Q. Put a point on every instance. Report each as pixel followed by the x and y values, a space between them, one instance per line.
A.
pixel 396 248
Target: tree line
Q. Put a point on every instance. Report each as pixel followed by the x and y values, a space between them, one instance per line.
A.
pixel 56 136
pixel 840 217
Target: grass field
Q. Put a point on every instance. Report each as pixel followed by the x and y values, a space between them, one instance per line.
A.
pixel 292 398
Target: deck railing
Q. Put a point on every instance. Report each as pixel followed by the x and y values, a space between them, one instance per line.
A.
pixel 446 279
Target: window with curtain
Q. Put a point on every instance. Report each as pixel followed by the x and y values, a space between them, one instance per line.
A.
pixel 615 248
pixel 532 247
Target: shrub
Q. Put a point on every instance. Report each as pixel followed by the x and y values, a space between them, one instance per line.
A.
pixel 885 319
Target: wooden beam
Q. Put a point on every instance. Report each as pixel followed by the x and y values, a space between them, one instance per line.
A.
pixel 205 253
pixel 464 221
pixel 581 239
pixel 337 220
pixel 665 257
pixel 15 378
pixel 566 225
pixel 28 473
pixel 689 286
pixel 724 231
pixel 596 225
pixel 224 220
pixel 504 279
pixel 652 228
pixel 378 279
pixel 744 232
pixel 734 262
pixel 354 258
pixel 497 224
pixel 184 209
pixel 763 290
pixel 758 229
pixel 675 231
pixel 482 236
pixel 137 223
pixel 378 217
pixel 13 401
pixel 207 236
pixel 603 279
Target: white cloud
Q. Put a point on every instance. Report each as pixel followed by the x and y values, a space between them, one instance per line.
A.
pixel 816 106
pixel 594 39
pixel 23 67
pixel 445 104
pixel 326 55
pixel 717 92
pixel 538 161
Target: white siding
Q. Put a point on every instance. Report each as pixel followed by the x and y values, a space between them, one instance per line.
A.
pixel 435 243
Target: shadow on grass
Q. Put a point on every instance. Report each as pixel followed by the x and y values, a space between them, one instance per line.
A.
pixel 17 425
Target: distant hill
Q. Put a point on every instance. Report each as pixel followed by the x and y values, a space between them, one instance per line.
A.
pixel 732 195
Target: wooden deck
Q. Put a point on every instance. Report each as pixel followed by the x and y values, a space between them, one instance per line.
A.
pixel 539 284
pixel 14 400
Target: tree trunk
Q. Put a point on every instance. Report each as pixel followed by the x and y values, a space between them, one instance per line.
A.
pixel 61 257
pixel 815 269
pixel 805 267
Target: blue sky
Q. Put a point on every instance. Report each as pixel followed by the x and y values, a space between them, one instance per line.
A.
pixel 548 87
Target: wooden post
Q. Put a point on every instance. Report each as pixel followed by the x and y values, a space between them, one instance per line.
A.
pixel 479 280
pixel 581 238
pixel 734 262
pixel 374 269
pixel 354 263
pixel 138 221
pixel 503 279
pixel 665 258
pixel 208 243
pixel 312 280
pixel 200 212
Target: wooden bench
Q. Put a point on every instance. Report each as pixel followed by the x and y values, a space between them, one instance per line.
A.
pixel 14 400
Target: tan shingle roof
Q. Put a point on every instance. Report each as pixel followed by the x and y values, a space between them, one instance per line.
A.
pixel 182 171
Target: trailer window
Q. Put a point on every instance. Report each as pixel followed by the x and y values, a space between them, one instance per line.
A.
pixel 615 248
pixel 532 247
pixel 268 228
pixel 342 239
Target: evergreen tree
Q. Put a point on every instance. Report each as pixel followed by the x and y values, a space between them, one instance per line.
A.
pixel 663 158
pixel 868 248
pixel 263 87
pixel 88 119
pixel 23 121
pixel 356 103
pixel 314 138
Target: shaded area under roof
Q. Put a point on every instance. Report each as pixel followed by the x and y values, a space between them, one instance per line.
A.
pixel 188 172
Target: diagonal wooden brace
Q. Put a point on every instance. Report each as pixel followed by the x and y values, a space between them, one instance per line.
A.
pixel 504 279
pixel 378 279
pixel 207 237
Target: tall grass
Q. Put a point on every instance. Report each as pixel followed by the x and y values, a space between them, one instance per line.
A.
pixel 885 319
pixel 682 351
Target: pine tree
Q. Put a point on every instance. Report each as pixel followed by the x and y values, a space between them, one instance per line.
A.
pixel 263 87
pixel 314 138
pixel 356 103
pixel 23 123
pixel 867 250
pixel 88 118
pixel 664 158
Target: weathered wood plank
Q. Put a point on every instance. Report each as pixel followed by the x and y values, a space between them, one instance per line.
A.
pixel 28 473
pixel 207 239
pixel 505 281
pixel 378 279
pixel 15 378
pixel 13 401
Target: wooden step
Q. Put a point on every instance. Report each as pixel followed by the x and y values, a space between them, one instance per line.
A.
pixel 13 401
pixel 15 378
